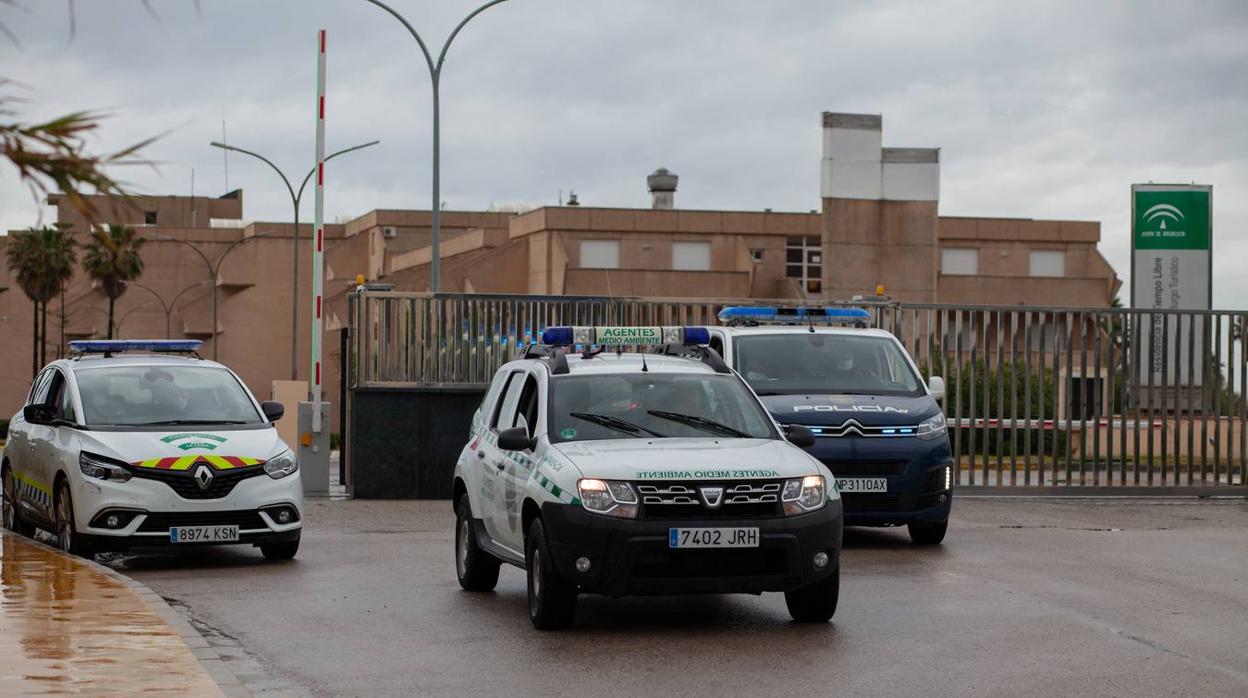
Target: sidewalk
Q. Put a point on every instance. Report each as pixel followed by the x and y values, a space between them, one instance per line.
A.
pixel 66 626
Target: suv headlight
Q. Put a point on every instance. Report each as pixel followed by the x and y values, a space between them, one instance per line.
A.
pixel 102 468
pixel 932 428
pixel 608 497
pixel 804 495
pixel 281 465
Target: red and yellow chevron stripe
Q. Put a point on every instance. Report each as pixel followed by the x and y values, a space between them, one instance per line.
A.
pixel 185 462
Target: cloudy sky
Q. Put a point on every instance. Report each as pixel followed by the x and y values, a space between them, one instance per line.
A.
pixel 1043 110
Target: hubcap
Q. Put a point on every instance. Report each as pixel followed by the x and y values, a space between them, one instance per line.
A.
pixel 10 506
pixel 65 522
pixel 536 573
pixel 461 554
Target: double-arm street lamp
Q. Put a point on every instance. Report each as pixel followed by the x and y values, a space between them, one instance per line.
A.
pixel 435 73
pixel 295 198
pixel 167 307
pixel 214 271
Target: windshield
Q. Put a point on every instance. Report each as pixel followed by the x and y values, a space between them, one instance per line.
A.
pixel 158 395
pixel 802 362
pixel 649 405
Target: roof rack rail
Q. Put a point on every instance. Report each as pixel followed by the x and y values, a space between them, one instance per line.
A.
pixel 705 354
pixel 558 360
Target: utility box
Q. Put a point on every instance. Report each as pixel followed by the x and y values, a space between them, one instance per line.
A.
pixel 313 451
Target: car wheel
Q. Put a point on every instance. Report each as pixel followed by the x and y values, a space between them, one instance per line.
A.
pixel 279 551
pixel 476 569
pixel 552 599
pixel 815 602
pixel 67 538
pixel 928 533
pixel 13 520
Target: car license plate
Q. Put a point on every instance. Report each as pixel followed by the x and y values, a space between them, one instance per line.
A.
pixel 203 534
pixel 712 538
pixel 862 484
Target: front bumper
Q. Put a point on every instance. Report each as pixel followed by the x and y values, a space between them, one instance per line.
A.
pixel 913 468
pixel 160 507
pixel 632 557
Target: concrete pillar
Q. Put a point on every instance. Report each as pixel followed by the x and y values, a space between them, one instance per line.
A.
pixel 879 212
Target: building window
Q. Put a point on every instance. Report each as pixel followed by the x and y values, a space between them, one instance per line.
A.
pixel 959 260
pixel 149 218
pixel 1048 263
pixel 803 260
pixel 691 256
pixel 600 254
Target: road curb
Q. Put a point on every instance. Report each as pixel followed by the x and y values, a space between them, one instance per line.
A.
pixel 216 667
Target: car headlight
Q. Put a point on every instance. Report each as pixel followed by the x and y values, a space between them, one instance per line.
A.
pixel 281 465
pixel 608 497
pixel 804 495
pixel 102 468
pixel 932 428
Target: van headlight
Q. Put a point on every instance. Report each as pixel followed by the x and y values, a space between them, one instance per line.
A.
pixel 281 465
pixel 804 495
pixel 102 468
pixel 932 428
pixel 608 497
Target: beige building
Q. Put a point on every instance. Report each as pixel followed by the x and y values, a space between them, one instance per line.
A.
pixel 878 223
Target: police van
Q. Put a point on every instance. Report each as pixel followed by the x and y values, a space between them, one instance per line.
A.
pixel 620 473
pixel 877 425
pixel 140 443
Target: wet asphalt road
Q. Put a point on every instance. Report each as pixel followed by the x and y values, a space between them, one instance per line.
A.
pixel 1025 598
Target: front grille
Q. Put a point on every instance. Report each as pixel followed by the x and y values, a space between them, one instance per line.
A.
pixel 689 564
pixel 162 521
pixel 183 481
pixel 683 500
pixel 865 468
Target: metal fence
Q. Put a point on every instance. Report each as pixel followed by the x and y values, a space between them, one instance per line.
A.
pixel 1040 400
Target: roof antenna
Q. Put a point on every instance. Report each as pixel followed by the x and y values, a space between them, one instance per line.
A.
pixel 644 368
pixel 811 319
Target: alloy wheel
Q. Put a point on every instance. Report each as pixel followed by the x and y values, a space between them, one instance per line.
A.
pixel 10 504
pixel 461 552
pixel 64 521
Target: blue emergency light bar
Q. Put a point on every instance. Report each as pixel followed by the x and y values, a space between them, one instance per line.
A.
pixel 119 346
pixel 620 335
pixel 747 313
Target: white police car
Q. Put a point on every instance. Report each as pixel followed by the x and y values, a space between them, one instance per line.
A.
pixel 877 426
pixel 622 473
pixel 128 443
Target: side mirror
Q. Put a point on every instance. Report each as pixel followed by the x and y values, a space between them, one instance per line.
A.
pixel 936 385
pixel 515 439
pixel 799 436
pixel 38 414
pixel 273 411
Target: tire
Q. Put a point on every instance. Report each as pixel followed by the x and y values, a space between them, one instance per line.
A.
pixel 816 602
pixel 67 538
pixel 928 533
pixel 279 551
pixel 552 599
pixel 13 519
pixel 476 569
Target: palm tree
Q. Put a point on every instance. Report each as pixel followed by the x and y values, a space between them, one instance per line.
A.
pixel 42 260
pixel 112 258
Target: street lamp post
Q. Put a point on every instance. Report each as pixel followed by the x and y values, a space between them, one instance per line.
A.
pixel 295 198
pixel 213 271
pixel 168 307
pixel 435 74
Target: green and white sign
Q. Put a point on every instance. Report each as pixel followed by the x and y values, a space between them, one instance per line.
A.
pixel 629 335
pixel 1171 268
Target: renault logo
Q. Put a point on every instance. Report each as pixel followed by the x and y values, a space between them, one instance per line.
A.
pixel 712 497
pixel 203 476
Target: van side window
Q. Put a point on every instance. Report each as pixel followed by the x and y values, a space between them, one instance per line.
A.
pixel 717 343
pixel 504 412
pixel 65 403
pixel 39 390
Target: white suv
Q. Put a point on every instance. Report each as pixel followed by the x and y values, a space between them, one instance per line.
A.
pixel 622 473
pixel 115 449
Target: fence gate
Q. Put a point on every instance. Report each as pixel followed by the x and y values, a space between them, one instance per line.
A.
pixel 1086 401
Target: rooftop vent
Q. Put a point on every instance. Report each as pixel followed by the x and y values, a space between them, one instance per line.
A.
pixel 662 183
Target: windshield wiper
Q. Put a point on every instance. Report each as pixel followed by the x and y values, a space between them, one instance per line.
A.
pixel 614 423
pixel 700 422
pixel 182 422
